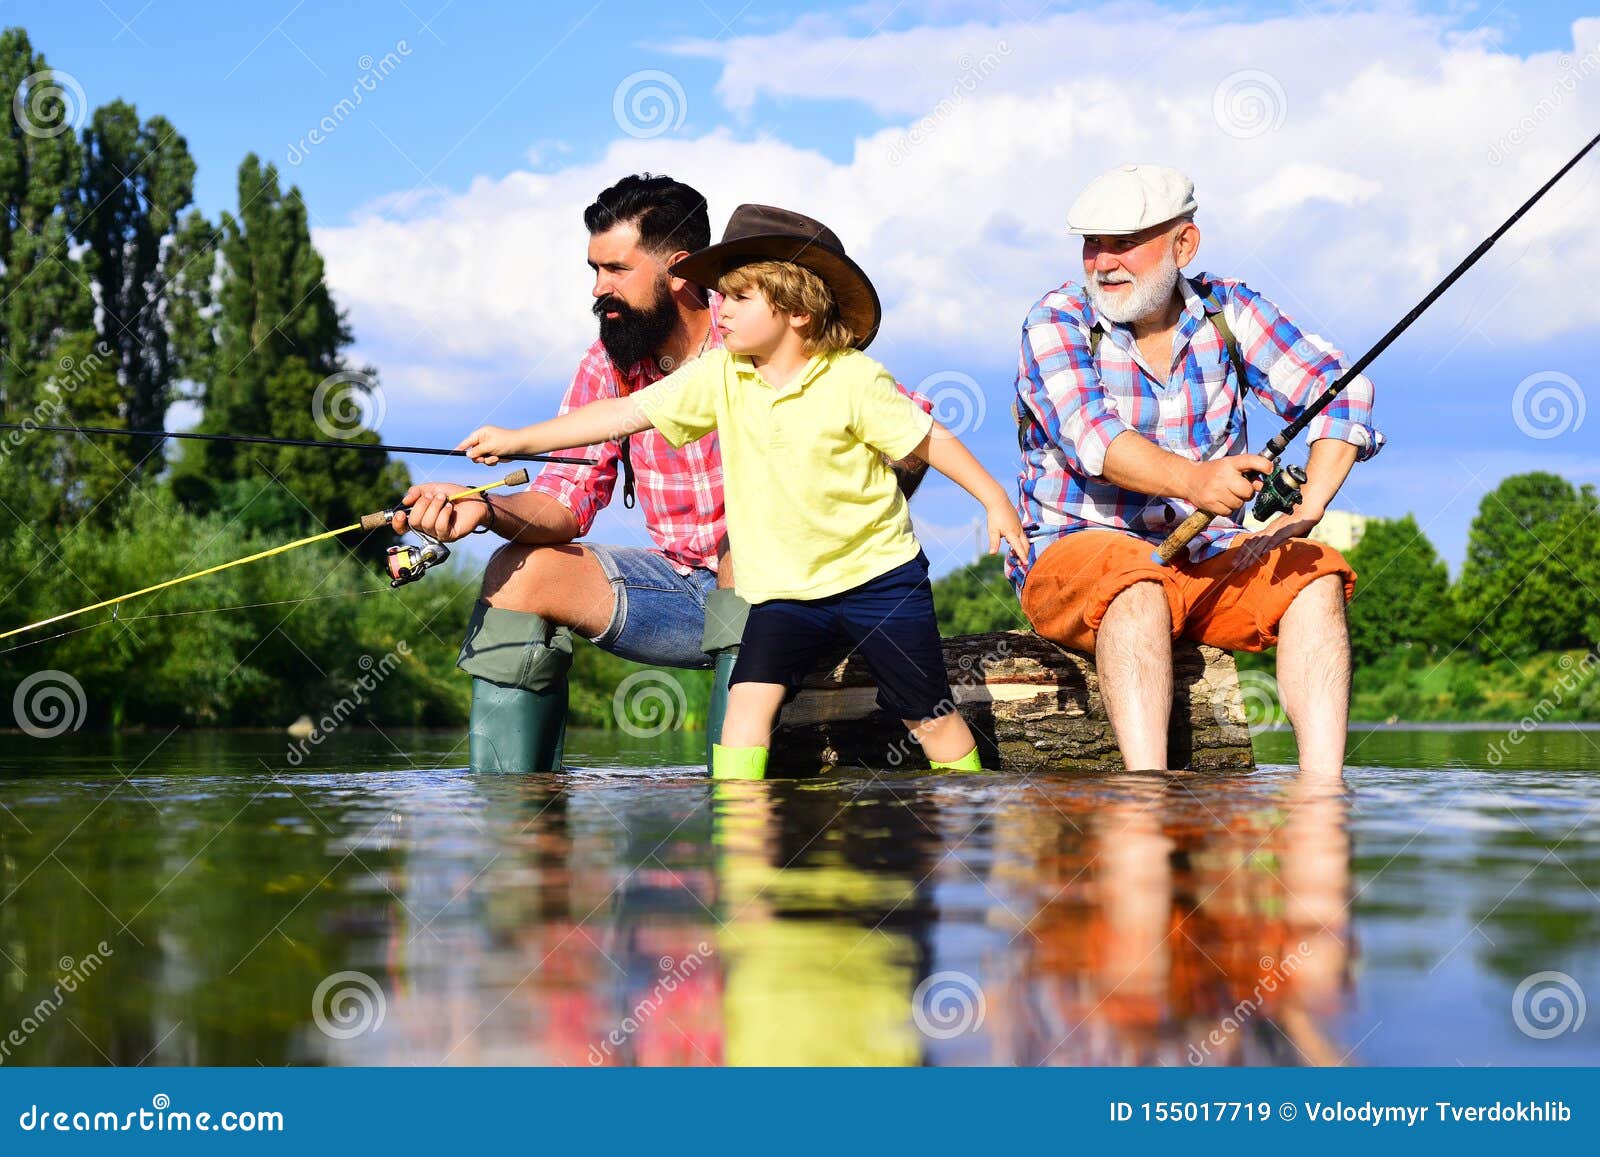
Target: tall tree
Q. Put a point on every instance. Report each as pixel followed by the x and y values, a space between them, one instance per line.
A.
pixel 49 368
pixel 1402 592
pixel 280 370
pixel 137 178
pixel 1517 588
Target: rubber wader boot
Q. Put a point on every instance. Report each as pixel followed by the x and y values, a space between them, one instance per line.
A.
pixel 725 616
pixel 518 663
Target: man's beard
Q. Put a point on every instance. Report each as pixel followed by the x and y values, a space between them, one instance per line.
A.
pixel 1149 295
pixel 636 335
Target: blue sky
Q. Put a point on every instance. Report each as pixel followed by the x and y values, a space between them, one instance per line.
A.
pixel 495 113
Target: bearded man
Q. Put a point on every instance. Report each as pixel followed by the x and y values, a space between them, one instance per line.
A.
pixel 1131 396
pixel 671 604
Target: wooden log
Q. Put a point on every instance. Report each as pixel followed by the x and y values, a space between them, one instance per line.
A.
pixel 1034 707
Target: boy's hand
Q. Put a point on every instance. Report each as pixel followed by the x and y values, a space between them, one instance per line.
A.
pixel 488 444
pixel 1004 523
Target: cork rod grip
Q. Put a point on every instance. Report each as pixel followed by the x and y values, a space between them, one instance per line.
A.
pixel 1181 537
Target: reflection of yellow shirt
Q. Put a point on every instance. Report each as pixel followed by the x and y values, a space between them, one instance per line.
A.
pixel 813 508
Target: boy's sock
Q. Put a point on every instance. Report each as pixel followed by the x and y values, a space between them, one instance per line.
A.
pixel 738 762
pixel 968 762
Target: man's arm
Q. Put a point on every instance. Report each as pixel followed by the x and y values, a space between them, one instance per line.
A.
pixel 1218 486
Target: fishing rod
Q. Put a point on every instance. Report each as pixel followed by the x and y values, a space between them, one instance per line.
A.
pixel 403 567
pixel 262 440
pixel 1280 493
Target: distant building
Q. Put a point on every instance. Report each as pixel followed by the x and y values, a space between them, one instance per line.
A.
pixel 1340 529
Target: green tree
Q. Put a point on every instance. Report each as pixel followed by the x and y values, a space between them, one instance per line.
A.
pixel 48 371
pixel 1402 592
pixel 279 369
pixel 1517 589
pixel 977 599
pixel 137 178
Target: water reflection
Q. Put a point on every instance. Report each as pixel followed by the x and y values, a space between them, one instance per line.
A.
pixel 358 914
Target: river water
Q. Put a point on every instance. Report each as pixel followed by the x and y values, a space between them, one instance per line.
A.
pixel 195 899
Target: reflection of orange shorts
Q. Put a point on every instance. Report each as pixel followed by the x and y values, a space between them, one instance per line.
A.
pixel 1073 582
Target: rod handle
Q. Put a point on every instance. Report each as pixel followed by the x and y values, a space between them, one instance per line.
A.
pixel 520 477
pixel 1181 537
pixel 379 519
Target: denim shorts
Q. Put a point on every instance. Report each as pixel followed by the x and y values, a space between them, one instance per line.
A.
pixel 660 615
pixel 888 621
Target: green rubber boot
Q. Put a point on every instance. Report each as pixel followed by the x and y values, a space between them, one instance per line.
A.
pixel 519 664
pixel 718 710
pixel 725 616
pixel 516 730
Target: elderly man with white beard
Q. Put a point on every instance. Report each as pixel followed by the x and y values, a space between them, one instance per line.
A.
pixel 1131 393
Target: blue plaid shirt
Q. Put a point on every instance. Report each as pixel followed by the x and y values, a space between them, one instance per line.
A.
pixel 1070 406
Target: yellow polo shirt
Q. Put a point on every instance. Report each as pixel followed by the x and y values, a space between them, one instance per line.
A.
pixel 813 509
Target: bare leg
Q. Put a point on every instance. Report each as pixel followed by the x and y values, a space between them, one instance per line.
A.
pixel 563 585
pixel 1133 657
pixel 944 738
pixel 752 709
pixel 1314 674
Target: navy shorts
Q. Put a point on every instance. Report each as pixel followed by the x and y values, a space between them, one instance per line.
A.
pixel 887 620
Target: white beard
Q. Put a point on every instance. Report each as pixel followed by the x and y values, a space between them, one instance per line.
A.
pixel 1149 295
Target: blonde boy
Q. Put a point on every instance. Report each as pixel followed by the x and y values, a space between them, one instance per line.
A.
pixel 821 535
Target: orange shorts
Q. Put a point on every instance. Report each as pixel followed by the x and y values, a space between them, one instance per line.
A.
pixel 1215 601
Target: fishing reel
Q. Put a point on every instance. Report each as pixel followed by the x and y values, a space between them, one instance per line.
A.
pixel 1280 492
pixel 409 563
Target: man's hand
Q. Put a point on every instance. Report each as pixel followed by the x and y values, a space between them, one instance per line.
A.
pixel 1004 523
pixel 1299 523
pixel 434 516
pixel 1220 487
pixel 489 444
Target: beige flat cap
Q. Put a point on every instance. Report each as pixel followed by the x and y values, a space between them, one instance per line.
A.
pixel 1130 198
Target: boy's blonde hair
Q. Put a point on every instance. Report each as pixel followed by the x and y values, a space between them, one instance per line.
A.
pixel 791 288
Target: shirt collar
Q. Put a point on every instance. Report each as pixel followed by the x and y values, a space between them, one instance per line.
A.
pixel 813 367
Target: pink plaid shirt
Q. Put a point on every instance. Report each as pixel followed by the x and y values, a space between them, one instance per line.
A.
pixel 679 490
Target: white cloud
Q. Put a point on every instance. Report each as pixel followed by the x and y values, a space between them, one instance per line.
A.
pixel 1399 144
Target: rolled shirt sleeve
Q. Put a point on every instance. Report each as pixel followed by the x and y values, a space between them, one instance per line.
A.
pixel 1062 388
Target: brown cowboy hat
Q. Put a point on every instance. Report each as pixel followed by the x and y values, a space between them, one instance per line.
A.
pixel 764 233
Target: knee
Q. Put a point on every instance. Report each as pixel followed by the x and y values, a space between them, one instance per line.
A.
pixel 514 578
pixel 1324 596
pixel 1143 604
